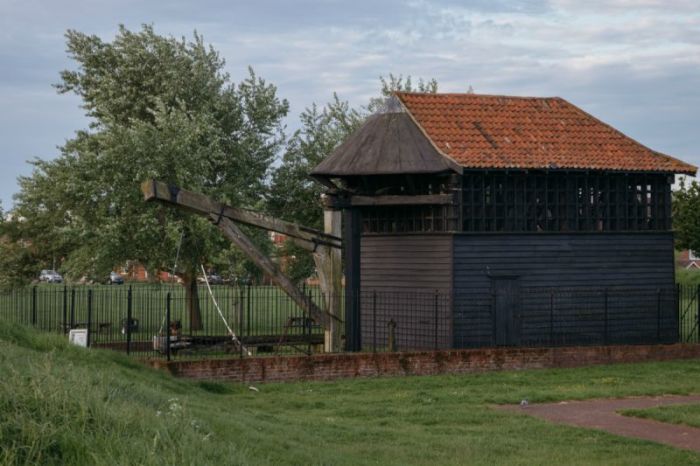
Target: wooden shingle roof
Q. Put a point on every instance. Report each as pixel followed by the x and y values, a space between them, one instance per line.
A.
pixel 387 144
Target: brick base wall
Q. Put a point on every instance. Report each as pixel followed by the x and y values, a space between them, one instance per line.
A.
pixel 338 366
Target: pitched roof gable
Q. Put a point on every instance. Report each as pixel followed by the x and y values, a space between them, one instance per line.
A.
pixel 488 131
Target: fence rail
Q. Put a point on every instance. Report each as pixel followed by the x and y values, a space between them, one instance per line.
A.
pixel 153 321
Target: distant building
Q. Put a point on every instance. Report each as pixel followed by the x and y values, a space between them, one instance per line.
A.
pixel 688 259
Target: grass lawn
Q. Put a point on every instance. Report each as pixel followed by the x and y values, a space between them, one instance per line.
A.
pixel 68 405
pixel 683 414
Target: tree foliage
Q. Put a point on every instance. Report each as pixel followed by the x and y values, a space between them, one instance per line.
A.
pixel 161 108
pixel 293 195
pixel 686 216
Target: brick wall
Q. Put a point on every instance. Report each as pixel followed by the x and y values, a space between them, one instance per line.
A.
pixel 338 366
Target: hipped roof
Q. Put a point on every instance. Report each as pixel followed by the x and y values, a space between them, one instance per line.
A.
pixel 439 132
pixel 387 144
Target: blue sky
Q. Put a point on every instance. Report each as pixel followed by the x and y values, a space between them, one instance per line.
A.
pixel 633 63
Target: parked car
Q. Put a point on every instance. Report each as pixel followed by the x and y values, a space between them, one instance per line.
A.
pixel 50 276
pixel 115 279
pixel 213 279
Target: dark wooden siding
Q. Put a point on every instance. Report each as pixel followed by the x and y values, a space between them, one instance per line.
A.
pixel 562 278
pixel 411 262
pixel 412 277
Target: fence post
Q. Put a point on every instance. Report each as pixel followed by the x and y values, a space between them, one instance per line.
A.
pixel 493 317
pixel 248 310
pixel 240 318
pixel 697 317
pixel 436 319
pixel 167 326
pixel 34 306
pixel 89 318
pixel 65 310
pixel 551 317
pixel 392 335
pixel 677 305
pixel 72 308
pixel 605 334
pixel 129 301
pixel 374 321
pixel 658 315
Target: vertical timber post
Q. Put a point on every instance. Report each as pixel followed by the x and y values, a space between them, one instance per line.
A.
pixel 329 264
pixel 351 243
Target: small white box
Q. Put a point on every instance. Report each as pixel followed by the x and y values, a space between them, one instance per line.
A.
pixel 78 337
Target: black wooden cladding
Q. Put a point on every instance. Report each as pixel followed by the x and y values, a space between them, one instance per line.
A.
pixel 576 288
pixel 632 267
pixel 412 275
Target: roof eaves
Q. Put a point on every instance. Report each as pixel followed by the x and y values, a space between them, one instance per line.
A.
pixel 452 163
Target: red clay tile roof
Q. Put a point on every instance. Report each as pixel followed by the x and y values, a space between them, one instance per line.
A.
pixel 488 131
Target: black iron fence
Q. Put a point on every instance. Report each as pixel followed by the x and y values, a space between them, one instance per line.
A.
pixel 156 321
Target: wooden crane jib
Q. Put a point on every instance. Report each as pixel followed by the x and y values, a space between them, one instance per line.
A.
pixel 323 245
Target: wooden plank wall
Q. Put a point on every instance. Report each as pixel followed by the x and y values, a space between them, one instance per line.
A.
pixel 412 277
pixel 567 262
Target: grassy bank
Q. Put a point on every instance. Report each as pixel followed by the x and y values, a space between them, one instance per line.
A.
pixel 65 405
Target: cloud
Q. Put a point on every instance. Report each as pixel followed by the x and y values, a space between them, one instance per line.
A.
pixel 633 63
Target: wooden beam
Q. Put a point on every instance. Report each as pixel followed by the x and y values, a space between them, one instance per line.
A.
pixel 420 199
pixel 240 239
pixel 307 238
pixel 393 200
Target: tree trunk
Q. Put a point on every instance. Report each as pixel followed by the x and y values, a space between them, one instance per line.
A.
pixel 189 281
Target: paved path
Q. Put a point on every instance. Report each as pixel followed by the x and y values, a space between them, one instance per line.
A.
pixel 602 414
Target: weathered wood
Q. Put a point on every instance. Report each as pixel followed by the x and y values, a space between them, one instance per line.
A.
pixel 330 273
pixel 386 200
pixel 307 238
pixel 240 239
pixel 388 143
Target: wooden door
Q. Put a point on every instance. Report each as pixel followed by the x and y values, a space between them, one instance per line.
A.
pixel 506 311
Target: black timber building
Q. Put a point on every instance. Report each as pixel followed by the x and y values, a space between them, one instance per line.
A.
pixel 498 206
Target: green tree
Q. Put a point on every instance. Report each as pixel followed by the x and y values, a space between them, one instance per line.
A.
pixel 686 216
pixel 160 108
pixel 296 197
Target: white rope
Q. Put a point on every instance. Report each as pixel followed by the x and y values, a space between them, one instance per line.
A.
pixel 172 277
pixel 221 314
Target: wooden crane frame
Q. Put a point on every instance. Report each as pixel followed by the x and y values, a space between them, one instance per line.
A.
pixel 325 246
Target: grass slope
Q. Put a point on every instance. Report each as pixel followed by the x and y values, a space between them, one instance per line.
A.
pixel 683 414
pixel 65 405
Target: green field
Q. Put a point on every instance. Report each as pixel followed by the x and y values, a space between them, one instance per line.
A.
pixel 683 414
pixel 67 405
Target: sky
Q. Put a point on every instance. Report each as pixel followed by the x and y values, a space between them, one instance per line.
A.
pixel 635 64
